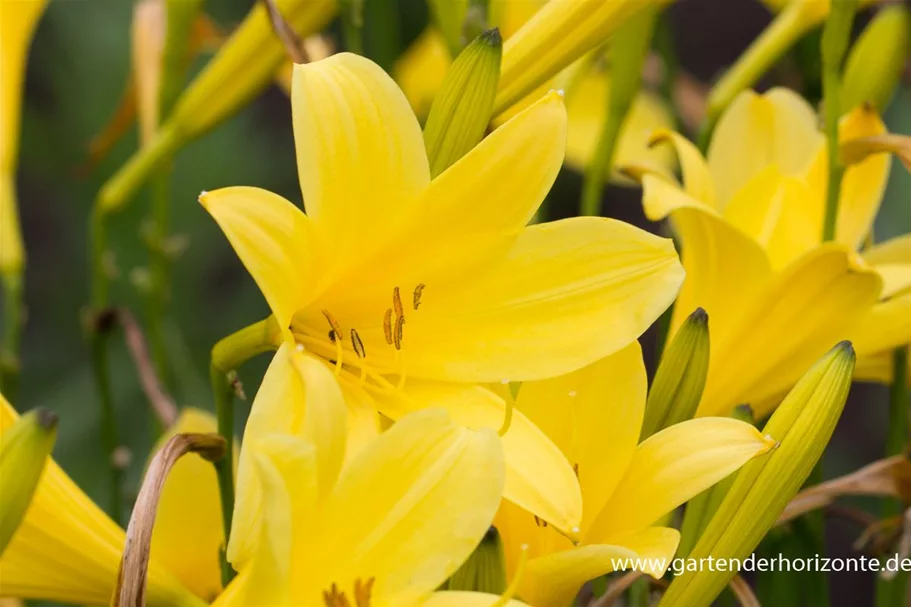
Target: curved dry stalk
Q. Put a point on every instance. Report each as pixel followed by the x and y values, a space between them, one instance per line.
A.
pixel 134 566
pixel 743 592
pixel 293 44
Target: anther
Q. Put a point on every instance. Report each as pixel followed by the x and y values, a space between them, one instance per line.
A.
pixel 336 328
pixel 540 522
pixel 336 336
pixel 357 344
pixel 576 470
pixel 397 303
pixel 362 592
pixel 417 295
pixel 397 337
pixel 387 326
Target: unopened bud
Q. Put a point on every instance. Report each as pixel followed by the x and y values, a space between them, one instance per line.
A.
pixel 485 569
pixel 875 62
pixel 803 424
pixel 23 453
pixel 462 108
pixel 680 378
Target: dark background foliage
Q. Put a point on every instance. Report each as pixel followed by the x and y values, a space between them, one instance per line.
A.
pixel 78 68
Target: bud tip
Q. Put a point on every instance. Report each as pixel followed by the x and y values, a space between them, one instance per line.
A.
pixel 46 419
pixel 700 316
pixel 492 37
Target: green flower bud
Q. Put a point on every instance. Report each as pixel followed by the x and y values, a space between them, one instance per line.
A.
pixel 884 44
pixel 680 378
pixel 803 424
pixel 701 509
pixel 462 109
pixel 24 451
pixel 485 569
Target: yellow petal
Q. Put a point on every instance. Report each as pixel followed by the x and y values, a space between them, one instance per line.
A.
pixel 360 153
pixel 421 68
pixel 538 476
pixel 896 278
pixel 885 327
pixel 273 239
pixel 585 104
pixel 756 131
pixel 771 209
pixel 471 213
pixel 553 580
pixel 895 250
pixel 286 470
pixel 67 550
pixel 457 598
pixel 594 415
pixel 697 181
pixel 189 514
pixel 300 397
pixel 811 305
pixel 725 268
pixel 411 507
pixel 566 294
pixel 673 465
pixel 863 184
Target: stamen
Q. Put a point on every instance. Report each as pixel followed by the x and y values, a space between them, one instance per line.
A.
pixel 357 344
pixel 402 371
pixel 336 336
pixel 397 303
pixel 507 419
pixel 362 592
pixel 417 295
pixel 387 326
pixel 397 337
pixel 516 579
pixel 576 470
pixel 540 522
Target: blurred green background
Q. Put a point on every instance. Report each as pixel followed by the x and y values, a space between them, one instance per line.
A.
pixel 77 71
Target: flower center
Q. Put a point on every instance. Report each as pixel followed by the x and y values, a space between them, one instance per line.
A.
pixel 345 347
pixel 336 598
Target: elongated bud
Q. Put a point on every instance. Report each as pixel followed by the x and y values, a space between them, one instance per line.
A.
pixel 485 569
pixel 884 44
pixel 462 109
pixel 803 424
pixel 680 378
pixel 558 34
pixel 243 67
pixel 702 508
pixel 23 454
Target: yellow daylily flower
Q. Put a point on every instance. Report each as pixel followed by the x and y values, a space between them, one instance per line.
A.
pixel 66 549
pixel 385 530
pixel 750 219
pixel 420 71
pixel 18 19
pixel 418 291
pixel 595 416
pixel 189 513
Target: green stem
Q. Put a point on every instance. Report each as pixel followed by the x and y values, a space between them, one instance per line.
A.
pixel 892 593
pixel 227 355
pixel 159 270
pixel 352 13
pixel 831 85
pixel 99 301
pixel 629 47
pixel 13 323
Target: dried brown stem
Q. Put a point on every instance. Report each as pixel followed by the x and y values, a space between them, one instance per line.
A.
pixel 134 566
pixel 616 589
pixel 293 44
pixel 161 402
pixel 743 592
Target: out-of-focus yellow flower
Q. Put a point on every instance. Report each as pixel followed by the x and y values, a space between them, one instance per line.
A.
pixel 66 549
pixel 595 416
pixel 417 291
pixel 18 19
pixel 750 220
pixel 189 532
pixel 421 69
pixel 386 529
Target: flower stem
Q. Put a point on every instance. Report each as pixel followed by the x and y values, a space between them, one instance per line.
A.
pixel 628 49
pixel 13 322
pixel 100 286
pixel 227 355
pixel 892 592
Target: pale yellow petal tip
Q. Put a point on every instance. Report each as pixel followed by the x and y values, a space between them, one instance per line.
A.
pixel 659 136
pixel 769 444
pixel 203 199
